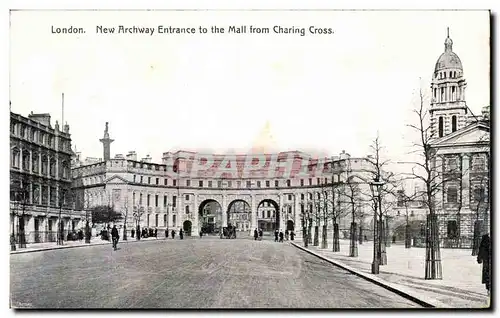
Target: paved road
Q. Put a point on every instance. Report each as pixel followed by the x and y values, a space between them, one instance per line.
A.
pixel 194 273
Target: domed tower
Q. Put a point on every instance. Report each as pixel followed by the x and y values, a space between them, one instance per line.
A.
pixel 448 108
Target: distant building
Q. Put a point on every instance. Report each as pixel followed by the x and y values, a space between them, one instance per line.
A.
pixel 40 179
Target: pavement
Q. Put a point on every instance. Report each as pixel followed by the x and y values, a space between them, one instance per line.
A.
pixel 460 287
pixel 192 273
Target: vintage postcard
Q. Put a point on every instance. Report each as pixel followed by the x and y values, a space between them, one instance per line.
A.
pixel 257 159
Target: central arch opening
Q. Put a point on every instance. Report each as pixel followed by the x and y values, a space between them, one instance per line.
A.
pixel 239 215
pixel 210 217
pixel 267 215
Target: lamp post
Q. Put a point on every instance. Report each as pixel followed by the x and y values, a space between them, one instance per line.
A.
pixel 60 236
pixel 375 187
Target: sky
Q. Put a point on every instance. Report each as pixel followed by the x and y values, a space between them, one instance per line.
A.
pixel 217 92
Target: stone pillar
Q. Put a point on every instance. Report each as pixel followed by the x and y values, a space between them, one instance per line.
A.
pixel 296 212
pixel 40 162
pixel 31 161
pixel 30 195
pixel 253 210
pixel 57 168
pixel 21 159
pixel 224 210
pixel 196 226
pixel 465 181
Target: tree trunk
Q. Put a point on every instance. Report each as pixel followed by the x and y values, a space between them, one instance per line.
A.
pixel 336 243
pixel 476 240
pixel 316 235
pixel 324 242
pixel 407 236
pixel 309 234
pixel 353 247
pixel 304 236
pixel 387 234
pixel 433 268
pixel 360 234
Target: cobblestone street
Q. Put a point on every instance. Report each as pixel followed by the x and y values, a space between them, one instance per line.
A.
pixel 192 273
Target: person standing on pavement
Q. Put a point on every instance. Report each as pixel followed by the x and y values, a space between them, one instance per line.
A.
pixel 156 233
pixel 484 257
pixel 173 234
pixel 181 234
pixel 201 234
pixel 292 235
pixel 281 236
pixel 255 234
pixel 261 232
pixel 276 233
pixel 114 237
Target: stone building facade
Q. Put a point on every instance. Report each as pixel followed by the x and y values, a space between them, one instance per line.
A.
pixel 189 190
pixel 461 154
pixel 40 179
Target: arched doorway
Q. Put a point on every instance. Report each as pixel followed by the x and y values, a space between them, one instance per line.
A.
pixel 187 226
pixel 210 217
pixel 289 225
pixel 239 215
pixel 268 216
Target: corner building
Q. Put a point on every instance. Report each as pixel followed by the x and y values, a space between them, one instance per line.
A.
pixel 196 191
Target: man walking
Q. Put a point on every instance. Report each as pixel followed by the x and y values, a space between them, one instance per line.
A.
pixel 484 257
pixel 114 237
pixel 255 234
pixel 276 235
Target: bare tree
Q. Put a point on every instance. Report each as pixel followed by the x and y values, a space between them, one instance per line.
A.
pixel 351 194
pixel 429 172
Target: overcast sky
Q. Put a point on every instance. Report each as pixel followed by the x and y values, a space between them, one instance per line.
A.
pixel 161 93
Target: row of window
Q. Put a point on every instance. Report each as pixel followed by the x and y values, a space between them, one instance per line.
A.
pixel 478 194
pixel 441 125
pixel 450 74
pixel 33 135
pixel 42 165
pixel 478 163
pixel 228 184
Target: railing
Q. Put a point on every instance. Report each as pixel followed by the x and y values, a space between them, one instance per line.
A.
pixel 45 236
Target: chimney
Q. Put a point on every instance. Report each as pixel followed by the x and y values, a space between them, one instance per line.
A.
pixel 43 119
pixel 132 156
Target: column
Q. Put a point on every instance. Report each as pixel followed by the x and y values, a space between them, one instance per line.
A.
pixel 20 159
pixel 465 181
pixel 30 196
pixel 39 162
pixel 282 214
pixel 48 194
pixel 253 210
pixel 196 226
pixel 224 210
pixel 57 168
pixel 31 161
pixel 296 210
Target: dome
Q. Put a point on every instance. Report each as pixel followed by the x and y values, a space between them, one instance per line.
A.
pixel 448 60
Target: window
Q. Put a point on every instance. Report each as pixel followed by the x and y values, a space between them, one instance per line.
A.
pixel 288 183
pixel 442 94
pixel 148 197
pixel 249 184
pixel 149 180
pixel 310 196
pixel 289 197
pixel 187 209
pixel 174 201
pixel 452 229
pixel 302 196
pixel 134 177
pixel 326 180
pixel 301 208
pixel 452 164
pixel 219 184
pixel 15 158
pixel 268 184
pixel 258 184
pixel 276 183
pixel 133 198
pixel 238 184
pixel 479 194
pixel 187 197
pixel 140 199
pixel 175 183
pixel 318 181
pixel 268 213
pixel 164 220
pixel 400 196
pixel 164 201
pixel 165 182
pixel 440 126
pixel 274 214
pixel 156 220
pixel 200 183
pixel 156 200
pixel 141 179
pixel 310 181
pixel 22 133
pixel 229 184
pixel 452 195
pixel 174 220
pixel 478 164
pixel 188 183
pixel 301 182
pixel 263 215
pixel 453 122
pixel 209 184
pixel 157 180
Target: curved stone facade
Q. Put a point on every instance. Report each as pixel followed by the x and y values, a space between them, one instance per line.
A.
pixel 172 194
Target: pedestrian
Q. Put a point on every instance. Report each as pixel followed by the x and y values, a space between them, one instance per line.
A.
pixel 173 234
pixel 132 232
pixel 115 236
pixel 181 234
pixel 156 233
pixel 276 233
pixel 281 236
pixel 484 257
pixel 255 234
pixel 292 235
pixel 166 233
pixel 261 232
pixel 286 234
pixel 201 234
